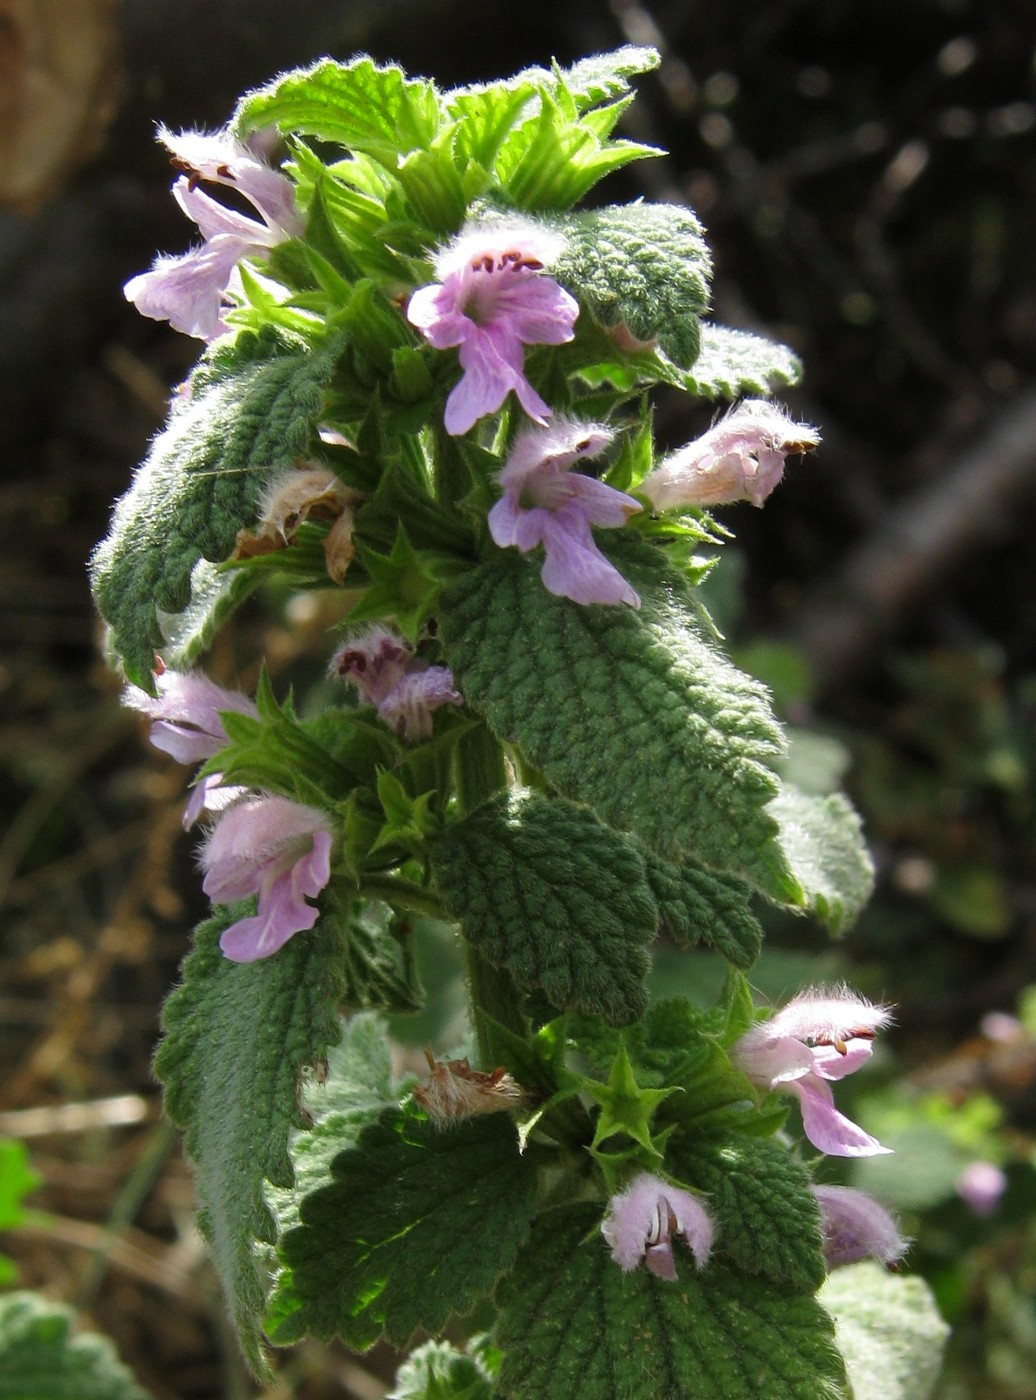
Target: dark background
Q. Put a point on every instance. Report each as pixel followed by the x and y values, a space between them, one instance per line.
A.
pixel 867 176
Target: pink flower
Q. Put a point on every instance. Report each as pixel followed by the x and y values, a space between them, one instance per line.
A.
pixel 492 299
pixel 741 458
pixel 820 1035
pixel 545 502
pixel 856 1227
pixel 641 1222
pixel 404 690
pixel 276 849
pixel 980 1186
pixel 187 726
pixel 188 291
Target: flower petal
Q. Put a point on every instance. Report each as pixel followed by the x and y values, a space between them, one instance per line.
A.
pixel 825 1127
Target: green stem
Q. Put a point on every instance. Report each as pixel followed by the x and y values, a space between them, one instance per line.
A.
pixel 405 892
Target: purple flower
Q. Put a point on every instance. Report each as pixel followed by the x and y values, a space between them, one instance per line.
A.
pixel 980 1186
pixel 188 291
pixel 187 726
pixel 492 299
pixel 855 1227
pixel 641 1222
pixel 820 1035
pixel 545 502
pixel 404 690
pixel 278 850
pixel 741 458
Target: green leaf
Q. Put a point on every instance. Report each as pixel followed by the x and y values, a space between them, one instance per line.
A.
pixel 353 1086
pixel 437 1371
pixel 360 105
pixel 642 266
pixel 215 594
pixel 824 845
pixel 377 968
pixel 732 363
pixel 573 1326
pixel 40 1359
pixel 553 158
pixel 415 1224
pixel 544 888
pixel 767 1219
pixel 601 77
pixel 699 907
pixel 633 712
pixel 17 1179
pixel 238 1037
pixel 251 410
pixel 889 1331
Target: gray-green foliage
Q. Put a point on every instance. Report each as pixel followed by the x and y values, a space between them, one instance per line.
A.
pixel 415 1223
pixel 544 888
pixel 251 410
pixel 823 842
pixel 573 1326
pixel 41 1358
pixel 633 712
pixel 732 362
pixel 642 266
pixel 889 1331
pixel 238 1038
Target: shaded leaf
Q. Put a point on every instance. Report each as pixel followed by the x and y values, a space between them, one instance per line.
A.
pixel 635 713
pixel 544 888
pixel 251 410
pixel 415 1223
pixel 573 1326
pixel 699 907
pixel 238 1037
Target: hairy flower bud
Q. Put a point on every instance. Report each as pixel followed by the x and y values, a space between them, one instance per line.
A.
pixel 856 1227
pixel 741 458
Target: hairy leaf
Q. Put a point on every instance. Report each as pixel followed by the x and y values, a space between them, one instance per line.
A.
pixel 251 410
pixel 573 1326
pixel 699 907
pixel 768 1221
pixel 238 1037
pixel 361 105
pixel 415 1223
pixel 642 266
pixel 215 594
pixel 822 840
pixel 732 363
pixel 544 888
pixel 40 1359
pixel 635 713
pixel 889 1331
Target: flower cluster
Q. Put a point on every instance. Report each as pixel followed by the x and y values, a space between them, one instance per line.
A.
pixel 404 690
pixel 262 844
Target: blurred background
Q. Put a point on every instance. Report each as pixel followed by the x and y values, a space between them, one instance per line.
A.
pixel 867 175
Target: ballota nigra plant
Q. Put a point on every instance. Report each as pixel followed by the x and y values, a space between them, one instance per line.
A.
pixel 426 383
